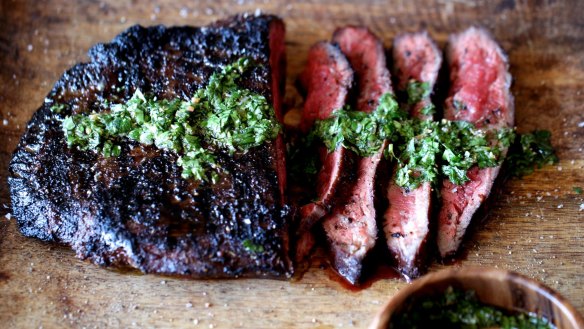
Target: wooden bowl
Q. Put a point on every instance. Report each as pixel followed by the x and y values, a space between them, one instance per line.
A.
pixel 506 290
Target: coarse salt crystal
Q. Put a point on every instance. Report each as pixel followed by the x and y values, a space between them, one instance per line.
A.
pixel 581 124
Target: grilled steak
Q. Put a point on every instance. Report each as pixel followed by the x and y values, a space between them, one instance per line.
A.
pixel 416 58
pixel 479 93
pixel 135 210
pixel 351 227
pixel 327 79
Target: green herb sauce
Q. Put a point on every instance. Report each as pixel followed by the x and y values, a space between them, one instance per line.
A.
pixel 530 151
pixel 221 115
pixel 414 144
pixel 250 246
pixel 417 91
pixel 461 309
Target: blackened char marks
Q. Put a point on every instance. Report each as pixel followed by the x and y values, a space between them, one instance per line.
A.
pixel 351 227
pixel 326 79
pixel 406 221
pixel 479 93
pixel 135 210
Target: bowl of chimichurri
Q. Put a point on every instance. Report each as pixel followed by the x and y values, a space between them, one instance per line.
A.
pixel 477 297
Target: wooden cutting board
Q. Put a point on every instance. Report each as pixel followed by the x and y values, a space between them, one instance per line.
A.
pixel 535 226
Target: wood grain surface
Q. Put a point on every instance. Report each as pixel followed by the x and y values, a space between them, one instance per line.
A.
pixel 535 226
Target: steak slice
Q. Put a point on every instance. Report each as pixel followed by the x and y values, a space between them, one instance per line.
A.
pixel 135 210
pixel 327 79
pixel 351 227
pixel 479 93
pixel 406 221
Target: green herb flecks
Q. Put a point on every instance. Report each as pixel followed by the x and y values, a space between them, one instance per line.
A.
pixel 530 151
pixel 417 91
pixel 428 110
pixel 577 189
pixel 461 309
pixel 252 247
pixel 221 115
pixel 58 107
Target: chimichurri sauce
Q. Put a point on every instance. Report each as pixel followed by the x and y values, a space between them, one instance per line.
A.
pixel 461 309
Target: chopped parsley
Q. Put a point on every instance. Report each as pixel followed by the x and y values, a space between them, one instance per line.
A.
pixel 417 91
pixel 428 110
pixel 577 189
pixel 461 309
pixel 529 151
pixel 221 115
pixel 364 133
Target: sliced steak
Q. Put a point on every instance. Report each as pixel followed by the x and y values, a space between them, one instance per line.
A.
pixel 327 79
pixel 406 221
pixel 416 58
pixel 135 210
pixel 367 57
pixel 351 227
pixel 479 93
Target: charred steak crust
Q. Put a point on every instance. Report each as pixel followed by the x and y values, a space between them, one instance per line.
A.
pixel 135 210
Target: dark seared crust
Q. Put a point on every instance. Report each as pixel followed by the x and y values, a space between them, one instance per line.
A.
pixel 135 210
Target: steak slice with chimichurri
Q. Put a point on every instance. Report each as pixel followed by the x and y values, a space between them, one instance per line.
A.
pixel 416 61
pixel 479 94
pixel 132 207
pixel 326 79
pixel 351 226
